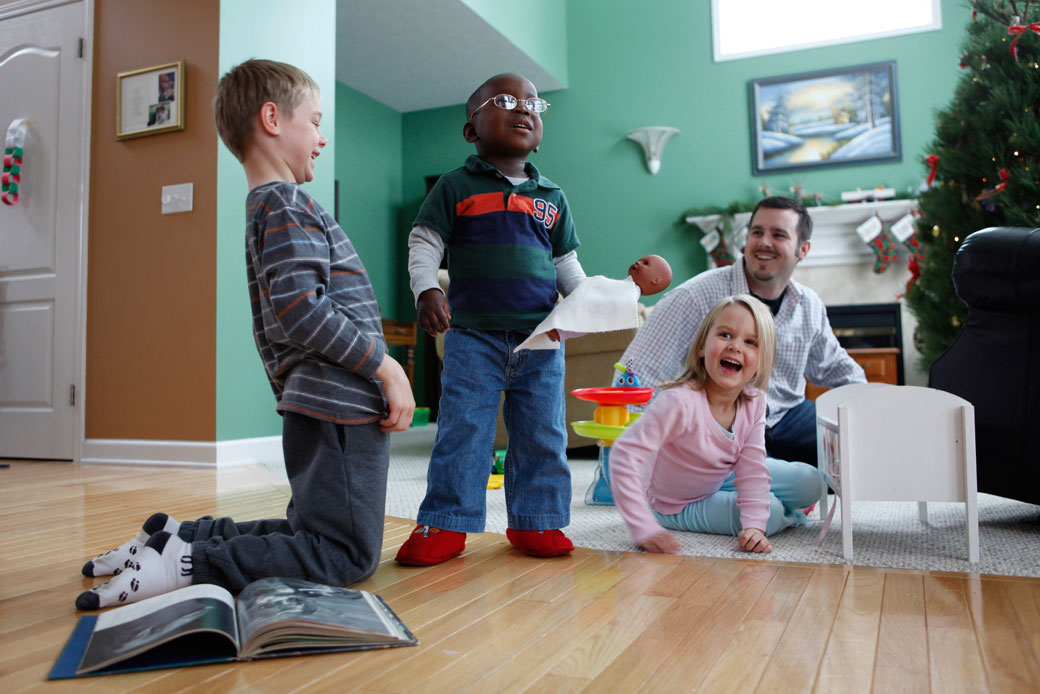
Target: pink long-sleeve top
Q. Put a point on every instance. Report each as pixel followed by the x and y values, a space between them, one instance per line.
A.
pixel 676 453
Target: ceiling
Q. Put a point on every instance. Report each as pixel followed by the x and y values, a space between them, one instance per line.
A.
pixel 417 54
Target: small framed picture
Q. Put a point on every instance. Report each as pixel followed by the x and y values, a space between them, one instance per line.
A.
pixel 834 117
pixel 150 100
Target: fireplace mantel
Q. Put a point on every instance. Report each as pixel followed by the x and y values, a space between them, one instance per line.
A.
pixel 834 237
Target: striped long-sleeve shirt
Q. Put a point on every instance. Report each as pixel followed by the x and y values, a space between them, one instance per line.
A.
pixel 315 318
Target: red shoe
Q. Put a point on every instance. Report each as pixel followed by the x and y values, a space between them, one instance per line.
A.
pixel 427 546
pixel 540 543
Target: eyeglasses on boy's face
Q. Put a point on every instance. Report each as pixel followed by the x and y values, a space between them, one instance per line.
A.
pixel 509 102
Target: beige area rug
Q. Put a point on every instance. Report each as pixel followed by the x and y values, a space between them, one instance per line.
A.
pixel 887 534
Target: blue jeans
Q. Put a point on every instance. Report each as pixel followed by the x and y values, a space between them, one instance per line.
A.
pixel 794 436
pixel 478 366
pixel 795 486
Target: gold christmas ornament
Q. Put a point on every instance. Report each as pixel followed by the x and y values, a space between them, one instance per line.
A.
pixel 956 322
pixel 936 231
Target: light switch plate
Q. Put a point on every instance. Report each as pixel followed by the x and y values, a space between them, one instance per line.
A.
pixel 178 198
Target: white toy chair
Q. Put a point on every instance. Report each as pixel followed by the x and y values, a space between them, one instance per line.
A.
pixel 882 442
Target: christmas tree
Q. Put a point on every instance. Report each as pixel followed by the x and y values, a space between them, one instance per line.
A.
pixel 984 162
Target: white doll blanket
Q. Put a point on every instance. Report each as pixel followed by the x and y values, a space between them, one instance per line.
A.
pixel 598 305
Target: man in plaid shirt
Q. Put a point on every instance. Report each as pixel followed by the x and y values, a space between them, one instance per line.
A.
pixel 806 346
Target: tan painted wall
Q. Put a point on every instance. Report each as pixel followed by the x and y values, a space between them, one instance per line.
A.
pixel 151 298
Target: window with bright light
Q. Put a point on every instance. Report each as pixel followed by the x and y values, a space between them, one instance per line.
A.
pixel 745 28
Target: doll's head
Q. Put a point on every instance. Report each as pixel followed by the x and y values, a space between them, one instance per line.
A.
pixel 652 274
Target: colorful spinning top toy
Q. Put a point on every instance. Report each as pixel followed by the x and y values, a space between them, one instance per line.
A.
pixel 610 419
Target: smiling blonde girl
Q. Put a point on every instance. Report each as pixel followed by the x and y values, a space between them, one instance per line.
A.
pixel 696 460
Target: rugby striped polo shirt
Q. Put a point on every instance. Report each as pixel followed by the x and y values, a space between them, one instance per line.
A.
pixel 315 318
pixel 501 241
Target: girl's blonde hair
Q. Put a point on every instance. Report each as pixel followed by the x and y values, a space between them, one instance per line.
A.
pixel 696 375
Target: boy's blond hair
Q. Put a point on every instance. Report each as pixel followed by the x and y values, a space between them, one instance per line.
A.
pixel 696 375
pixel 248 86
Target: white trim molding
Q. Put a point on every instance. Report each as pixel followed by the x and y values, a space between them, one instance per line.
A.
pixel 212 454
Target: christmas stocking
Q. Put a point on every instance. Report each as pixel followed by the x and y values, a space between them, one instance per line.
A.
pixel 715 245
pixel 903 231
pixel 880 241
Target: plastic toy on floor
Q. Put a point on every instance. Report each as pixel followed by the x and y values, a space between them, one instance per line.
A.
pixel 498 469
pixel 609 421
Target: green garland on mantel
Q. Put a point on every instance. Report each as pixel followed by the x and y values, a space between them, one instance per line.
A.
pixel 727 213
pixel 734 208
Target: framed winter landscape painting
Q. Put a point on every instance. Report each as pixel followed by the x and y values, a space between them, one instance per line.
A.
pixel 832 117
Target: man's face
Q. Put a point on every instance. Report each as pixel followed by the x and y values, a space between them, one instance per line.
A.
pixel 772 249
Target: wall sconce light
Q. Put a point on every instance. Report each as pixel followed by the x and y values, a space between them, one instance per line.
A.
pixel 653 140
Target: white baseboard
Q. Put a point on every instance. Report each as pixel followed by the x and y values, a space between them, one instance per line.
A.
pixel 214 454
pixel 190 453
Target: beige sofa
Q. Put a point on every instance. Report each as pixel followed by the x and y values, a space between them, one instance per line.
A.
pixel 590 363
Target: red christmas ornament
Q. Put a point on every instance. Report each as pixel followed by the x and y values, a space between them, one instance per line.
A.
pixel 914 266
pixel 932 161
pixel 1017 30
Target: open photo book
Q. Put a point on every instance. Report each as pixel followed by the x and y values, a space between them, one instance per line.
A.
pixel 201 624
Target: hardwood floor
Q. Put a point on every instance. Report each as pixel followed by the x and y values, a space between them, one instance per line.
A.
pixel 498 621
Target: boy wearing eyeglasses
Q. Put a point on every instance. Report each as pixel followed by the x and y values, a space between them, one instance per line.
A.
pixel 511 244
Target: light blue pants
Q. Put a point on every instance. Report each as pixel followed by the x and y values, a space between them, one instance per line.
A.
pixel 795 486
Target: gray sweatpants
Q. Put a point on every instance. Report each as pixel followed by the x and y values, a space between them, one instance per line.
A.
pixel 333 529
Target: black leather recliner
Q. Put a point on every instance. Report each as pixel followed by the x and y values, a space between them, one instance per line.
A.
pixel 995 361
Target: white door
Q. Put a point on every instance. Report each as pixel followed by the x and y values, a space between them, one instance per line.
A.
pixel 43 78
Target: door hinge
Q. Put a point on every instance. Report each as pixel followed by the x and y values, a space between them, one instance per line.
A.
pixel 72 395
pixel 81 42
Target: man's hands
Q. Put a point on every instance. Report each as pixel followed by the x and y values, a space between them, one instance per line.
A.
pixel 434 314
pixel 661 543
pixel 754 540
pixel 398 392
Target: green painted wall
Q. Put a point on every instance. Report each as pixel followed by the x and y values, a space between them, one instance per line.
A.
pixel 368 167
pixel 540 30
pixel 305 37
pixel 630 67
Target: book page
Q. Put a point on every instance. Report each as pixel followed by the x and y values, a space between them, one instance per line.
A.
pixel 294 610
pixel 139 627
pixel 128 613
